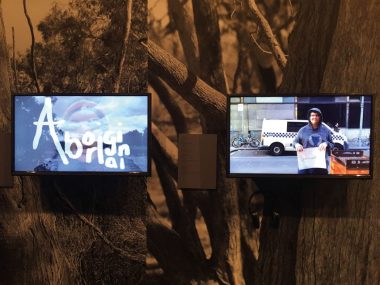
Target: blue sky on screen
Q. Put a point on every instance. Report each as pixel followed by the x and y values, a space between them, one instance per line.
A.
pixel 100 113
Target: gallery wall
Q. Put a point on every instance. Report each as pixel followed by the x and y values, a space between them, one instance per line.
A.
pixel 189 55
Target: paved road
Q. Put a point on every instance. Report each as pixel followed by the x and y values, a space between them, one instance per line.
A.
pixel 256 161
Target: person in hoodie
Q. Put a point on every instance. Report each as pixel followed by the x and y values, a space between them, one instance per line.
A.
pixel 314 134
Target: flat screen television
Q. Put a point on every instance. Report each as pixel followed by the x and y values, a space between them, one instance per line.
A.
pixel 321 135
pixel 81 134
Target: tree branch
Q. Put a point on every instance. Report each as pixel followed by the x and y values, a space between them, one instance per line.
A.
pixel 127 30
pixel 258 45
pixel 210 50
pixel 176 259
pixel 205 99
pixel 181 13
pixel 168 159
pixel 179 216
pixel 169 188
pixel 272 41
pixel 178 117
pixel 32 59
pixel 170 149
pixel 14 67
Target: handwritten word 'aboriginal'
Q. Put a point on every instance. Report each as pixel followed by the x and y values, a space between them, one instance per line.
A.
pixel 95 145
pixel 89 142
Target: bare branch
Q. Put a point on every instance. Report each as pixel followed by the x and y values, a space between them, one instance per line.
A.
pixel 178 214
pixel 173 200
pixel 170 149
pixel 178 117
pixel 205 99
pixel 177 260
pixel 258 45
pixel 14 67
pixel 32 59
pixel 272 41
pixel 166 155
pixel 127 30
pixel 236 7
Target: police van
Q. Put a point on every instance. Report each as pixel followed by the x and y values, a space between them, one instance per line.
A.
pixel 277 136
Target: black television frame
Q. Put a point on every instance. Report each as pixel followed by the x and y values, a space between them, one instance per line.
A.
pixel 147 173
pixel 230 174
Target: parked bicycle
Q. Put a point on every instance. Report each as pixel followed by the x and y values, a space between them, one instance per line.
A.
pixel 361 141
pixel 240 141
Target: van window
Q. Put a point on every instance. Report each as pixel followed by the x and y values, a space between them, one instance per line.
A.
pixel 295 126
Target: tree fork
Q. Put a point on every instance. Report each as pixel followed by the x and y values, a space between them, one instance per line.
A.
pixel 166 97
pixel 205 99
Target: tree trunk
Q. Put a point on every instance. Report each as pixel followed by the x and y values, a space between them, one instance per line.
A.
pixel 220 208
pixel 69 230
pixel 340 228
pixel 210 50
pixel 181 13
pixel 330 236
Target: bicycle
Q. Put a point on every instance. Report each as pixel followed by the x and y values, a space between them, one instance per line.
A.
pixel 240 141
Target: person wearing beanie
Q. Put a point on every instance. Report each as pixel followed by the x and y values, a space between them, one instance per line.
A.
pixel 314 134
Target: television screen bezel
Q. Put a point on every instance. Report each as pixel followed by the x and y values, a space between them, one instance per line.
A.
pixel 146 173
pixel 230 174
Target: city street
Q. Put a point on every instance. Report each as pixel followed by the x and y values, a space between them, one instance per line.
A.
pixel 260 161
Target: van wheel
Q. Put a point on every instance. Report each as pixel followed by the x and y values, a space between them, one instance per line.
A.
pixel 276 149
pixel 338 146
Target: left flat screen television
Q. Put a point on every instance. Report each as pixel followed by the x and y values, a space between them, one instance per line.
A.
pixel 81 134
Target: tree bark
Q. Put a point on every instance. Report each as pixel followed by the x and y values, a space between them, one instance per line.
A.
pixel 309 46
pixel 181 14
pixel 32 58
pixel 340 228
pixel 205 99
pixel 166 97
pixel 5 86
pixel 177 260
pixel 308 52
pixel 332 237
pixel 210 50
pixel 123 50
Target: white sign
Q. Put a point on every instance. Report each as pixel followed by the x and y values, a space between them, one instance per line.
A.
pixel 311 158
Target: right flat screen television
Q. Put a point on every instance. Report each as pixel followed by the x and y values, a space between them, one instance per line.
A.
pixel 321 135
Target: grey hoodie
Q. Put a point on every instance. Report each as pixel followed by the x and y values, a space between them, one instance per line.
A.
pixel 309 137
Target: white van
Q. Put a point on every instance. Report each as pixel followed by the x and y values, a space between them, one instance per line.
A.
pixel 277 136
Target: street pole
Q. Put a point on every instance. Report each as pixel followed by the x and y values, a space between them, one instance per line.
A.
pixel 347 112
pixel 241 109
pixel 361 119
